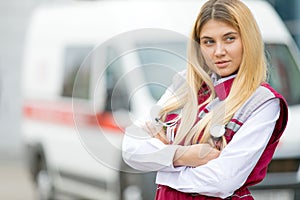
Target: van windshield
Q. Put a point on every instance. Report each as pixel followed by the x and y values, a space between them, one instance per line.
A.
pixel 283 72
pixel 162 61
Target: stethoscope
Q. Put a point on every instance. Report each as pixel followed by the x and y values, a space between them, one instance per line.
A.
pixel 216 131
pixel 168 126
pixel 156 118
pixel 168 123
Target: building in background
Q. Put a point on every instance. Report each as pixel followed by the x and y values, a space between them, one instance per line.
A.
pixel 289 12
pixel 14 17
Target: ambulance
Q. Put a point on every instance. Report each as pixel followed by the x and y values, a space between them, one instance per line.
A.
pixel 91 68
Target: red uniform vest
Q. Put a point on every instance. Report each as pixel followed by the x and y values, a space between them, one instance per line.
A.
pixel 260 169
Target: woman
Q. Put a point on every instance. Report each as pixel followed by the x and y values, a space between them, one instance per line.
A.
pixel 221 126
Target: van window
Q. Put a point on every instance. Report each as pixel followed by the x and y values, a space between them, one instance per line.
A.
pixel 284 73
pixel 76 69
pixel 160 63
pixel 117 96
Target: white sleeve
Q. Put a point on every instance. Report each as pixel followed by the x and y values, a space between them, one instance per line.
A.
pixel 222 176
pixel 145 153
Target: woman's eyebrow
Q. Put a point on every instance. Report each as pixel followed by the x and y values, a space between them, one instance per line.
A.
pixel 230 33
pixel 226 34
pixel 205 37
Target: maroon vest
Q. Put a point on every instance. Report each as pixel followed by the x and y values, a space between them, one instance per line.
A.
pixel 260 169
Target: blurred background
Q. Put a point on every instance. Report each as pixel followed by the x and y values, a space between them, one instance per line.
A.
pixel 14 17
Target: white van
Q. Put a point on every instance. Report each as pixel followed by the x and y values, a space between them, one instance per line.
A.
pixel 91 67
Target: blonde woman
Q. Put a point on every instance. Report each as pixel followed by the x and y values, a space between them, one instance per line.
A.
pixel 217 130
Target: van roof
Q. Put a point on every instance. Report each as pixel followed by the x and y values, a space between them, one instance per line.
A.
pixel 54 27
pixel 89 21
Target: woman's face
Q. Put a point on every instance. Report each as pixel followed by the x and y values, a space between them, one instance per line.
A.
pixel 221 47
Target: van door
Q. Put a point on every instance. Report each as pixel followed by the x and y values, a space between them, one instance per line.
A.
pixel 284 76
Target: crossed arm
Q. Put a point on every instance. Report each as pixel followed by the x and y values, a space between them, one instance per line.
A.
pixel 191 156
pixel 214 177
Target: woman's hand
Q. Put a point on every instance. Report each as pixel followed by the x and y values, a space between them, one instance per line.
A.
pixel 194 155
pixel 156 132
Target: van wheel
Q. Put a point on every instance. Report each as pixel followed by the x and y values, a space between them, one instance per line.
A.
pixel 43 182
pixel 130 189
pixel 297 193
pixel 137 186
pixel 44 186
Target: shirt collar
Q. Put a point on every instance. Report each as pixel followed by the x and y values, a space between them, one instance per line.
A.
pixel 222 85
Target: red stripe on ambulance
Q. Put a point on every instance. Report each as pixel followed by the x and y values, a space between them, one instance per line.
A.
pixel 64 114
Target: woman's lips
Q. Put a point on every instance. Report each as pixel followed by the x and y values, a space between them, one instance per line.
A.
pixel 221 64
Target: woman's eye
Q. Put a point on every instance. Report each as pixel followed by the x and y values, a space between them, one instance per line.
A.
pixel 230 38
pixel 208 42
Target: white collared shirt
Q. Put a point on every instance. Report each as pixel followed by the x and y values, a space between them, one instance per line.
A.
pixel 219 177
pixel 216 80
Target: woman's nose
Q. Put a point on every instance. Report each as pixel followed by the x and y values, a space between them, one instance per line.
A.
pixel 220 49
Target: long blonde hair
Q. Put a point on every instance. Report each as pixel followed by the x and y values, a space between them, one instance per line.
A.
pixel 251 73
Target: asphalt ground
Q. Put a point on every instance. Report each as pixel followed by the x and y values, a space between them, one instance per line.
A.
pixel 15 182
